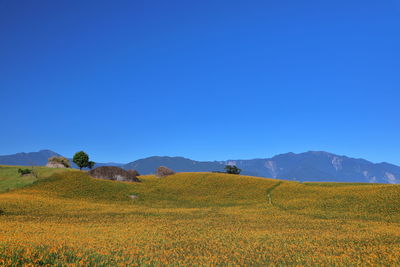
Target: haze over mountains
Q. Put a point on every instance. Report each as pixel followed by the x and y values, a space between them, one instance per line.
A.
pixel 308 166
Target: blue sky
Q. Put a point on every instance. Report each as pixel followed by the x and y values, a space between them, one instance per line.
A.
pixel 208 80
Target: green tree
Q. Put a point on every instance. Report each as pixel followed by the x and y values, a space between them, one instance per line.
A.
pixel 81 159
pixel 232 169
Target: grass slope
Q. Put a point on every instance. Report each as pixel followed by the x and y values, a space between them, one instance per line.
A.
pixel 197 219
pixel 10 178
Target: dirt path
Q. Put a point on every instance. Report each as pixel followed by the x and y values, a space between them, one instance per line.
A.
pixel 269 192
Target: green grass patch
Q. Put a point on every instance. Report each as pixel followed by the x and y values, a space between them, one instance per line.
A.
pixel 10 179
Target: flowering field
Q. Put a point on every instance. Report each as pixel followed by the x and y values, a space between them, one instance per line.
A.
pixel 198 219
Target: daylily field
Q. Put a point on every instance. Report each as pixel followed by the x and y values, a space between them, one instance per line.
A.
pixel 67 218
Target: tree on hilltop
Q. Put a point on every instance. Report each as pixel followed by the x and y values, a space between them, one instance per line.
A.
pixel 82 160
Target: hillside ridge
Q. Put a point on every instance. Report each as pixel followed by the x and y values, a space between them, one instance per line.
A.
pixel 318 166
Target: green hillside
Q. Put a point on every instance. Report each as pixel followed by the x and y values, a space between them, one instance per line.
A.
pixel 10 179
pixel 67 217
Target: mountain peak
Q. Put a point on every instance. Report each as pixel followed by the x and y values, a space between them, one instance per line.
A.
pixel 289 154
pixel 317 152
pixel 47 150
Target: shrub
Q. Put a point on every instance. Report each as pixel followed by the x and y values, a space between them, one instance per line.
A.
pixel 35 172
pixel 134 172
pixel 113 173
pixel 232 169
pixel 24 171
pixel 2 212
pixel 91 164
pixel 59 162
pixel 163 172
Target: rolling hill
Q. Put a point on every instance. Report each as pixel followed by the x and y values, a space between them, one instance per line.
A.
pixel 198 219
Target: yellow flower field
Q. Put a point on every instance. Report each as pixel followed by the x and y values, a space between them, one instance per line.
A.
pixel 70 219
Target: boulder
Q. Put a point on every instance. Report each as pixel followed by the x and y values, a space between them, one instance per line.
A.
pixel 113 173
pixel 163 171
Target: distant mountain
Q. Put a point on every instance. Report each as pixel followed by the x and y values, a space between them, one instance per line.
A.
pixel 309 166
pixel 320 166
pixel 178 164
pixel 27 159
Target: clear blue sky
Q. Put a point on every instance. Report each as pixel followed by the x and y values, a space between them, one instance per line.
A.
pixel 208 80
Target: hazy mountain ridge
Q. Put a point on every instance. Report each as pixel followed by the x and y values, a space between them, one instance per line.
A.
pixel 178 164
pixel 321 166
pixel 26 159
pixel 308 166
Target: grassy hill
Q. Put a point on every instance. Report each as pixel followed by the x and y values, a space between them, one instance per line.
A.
pixel 10 178
pixel 67 217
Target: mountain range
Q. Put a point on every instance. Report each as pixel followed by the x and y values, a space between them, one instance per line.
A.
pixel 309 166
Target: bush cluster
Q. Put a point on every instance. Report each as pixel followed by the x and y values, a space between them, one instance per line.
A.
pixel 60 160
pixel 163 172
pixel 232 169
pixel 134 172
pixel 24 171
pixel 113 173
